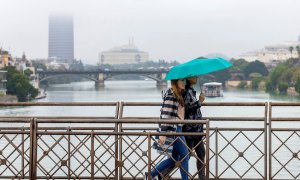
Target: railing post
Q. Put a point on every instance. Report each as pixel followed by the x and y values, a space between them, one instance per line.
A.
pixel 270 139
pixel 33 149
pixel 120 139
pixel 117 116
pixel 149 155
pixel 207 149
pixel 69 153
pixel 23 153
pixel 266 140
pixel 216 153
pixel 92 156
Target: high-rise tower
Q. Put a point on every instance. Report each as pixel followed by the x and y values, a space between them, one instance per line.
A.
pixel 61 38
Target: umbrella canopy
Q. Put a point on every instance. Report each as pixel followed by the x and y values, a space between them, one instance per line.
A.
pixel 197 67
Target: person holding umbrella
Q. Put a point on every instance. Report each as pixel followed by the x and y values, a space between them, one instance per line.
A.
pixel 190 70
pixel 192 112
pixel 172 108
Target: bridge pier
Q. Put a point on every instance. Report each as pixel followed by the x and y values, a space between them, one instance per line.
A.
pixel 161 83
pixel 99 84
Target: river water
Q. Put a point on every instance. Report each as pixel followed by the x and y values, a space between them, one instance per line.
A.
pixel 146 91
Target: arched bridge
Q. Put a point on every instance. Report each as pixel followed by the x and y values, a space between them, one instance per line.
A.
pixel 99 76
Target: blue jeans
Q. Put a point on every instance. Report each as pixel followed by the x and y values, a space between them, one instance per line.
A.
pixel 180 151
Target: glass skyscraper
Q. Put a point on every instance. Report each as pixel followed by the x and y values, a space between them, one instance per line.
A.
pixel 61 38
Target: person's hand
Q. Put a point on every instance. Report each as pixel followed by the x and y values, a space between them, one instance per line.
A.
pixel 162 140
pixel 201 98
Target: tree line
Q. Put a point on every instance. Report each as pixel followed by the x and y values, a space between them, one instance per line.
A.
pixel 19 84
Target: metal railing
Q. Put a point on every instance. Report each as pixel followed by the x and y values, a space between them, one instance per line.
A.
pixel 284 143
pixel 119 146
pixel 221 142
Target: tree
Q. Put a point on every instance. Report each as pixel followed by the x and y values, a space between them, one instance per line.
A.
pixel 256 78
pixel 255 83
pixel 239 65
pixel 242 85
pixel 39 65
pixel 297 85
pixel 76 66
pixel 282 87
pixel 221 76
pixel 291 50
pixel 272 83
pixel 28 72
pixel 298 50
pixel 256 67
pixel 18 84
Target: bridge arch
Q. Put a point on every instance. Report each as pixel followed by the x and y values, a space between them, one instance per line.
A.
pixel 141 75
pixel 58 75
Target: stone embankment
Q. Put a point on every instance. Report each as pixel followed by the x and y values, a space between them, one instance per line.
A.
pixel 8 98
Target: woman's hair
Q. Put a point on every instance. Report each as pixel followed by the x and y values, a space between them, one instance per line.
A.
pixel 177 92
pixel 188 83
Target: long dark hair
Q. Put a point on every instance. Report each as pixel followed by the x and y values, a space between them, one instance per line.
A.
pixel 177 92
pixel 188 84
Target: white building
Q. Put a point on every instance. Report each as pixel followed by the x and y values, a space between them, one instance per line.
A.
pixel 3 82
pixel 271 53
pixel 124 54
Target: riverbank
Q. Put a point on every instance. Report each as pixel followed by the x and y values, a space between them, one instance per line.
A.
pixel 8 98
pixel 292 92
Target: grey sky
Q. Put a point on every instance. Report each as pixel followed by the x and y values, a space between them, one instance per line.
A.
pixel 167 29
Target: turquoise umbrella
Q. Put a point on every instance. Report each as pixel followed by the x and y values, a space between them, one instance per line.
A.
pixel 197 67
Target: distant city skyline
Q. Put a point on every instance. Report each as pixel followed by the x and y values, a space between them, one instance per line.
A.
pixel 169 29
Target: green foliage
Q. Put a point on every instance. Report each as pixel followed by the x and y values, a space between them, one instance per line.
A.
pixel 270 87
pixel 39 65
pixel 282 87
pixel 19 85
pixel 256 67
pixel 239 65
pixel 298 50
pixel 255 82
pixel 242 85
pixel 274 78
pixel 283 75
pixel 297 85
pixel 28 72
pixel 76 66
pixel 221 76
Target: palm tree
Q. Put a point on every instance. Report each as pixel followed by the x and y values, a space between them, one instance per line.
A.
pixel 291 50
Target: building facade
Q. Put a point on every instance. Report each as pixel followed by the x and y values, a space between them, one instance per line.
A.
pixel 272 53
pixel 61 38
pixel 125 54
pixel 3 82
pixel 6 59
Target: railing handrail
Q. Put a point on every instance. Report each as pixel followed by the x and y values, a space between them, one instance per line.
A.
pixel 58 104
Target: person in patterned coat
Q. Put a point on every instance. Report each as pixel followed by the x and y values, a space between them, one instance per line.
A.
pixel 172 109
pixel 192 112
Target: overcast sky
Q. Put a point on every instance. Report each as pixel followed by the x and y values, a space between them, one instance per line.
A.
pixel 166 29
